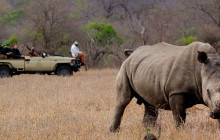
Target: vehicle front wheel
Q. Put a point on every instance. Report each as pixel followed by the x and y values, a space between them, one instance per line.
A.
pixel 5 72
pixel 64 71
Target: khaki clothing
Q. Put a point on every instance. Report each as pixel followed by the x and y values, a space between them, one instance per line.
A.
pixel 82 56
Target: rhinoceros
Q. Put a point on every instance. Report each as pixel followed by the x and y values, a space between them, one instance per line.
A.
pixel 169 77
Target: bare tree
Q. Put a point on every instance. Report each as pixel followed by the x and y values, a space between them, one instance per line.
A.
pixel 109 6
pixel 137 12
pixel 211 23
pixel 132 13
pixel 4 8
pixel 53 25
pixel 46 21
pixel 85 10
pixel 212 10
pixel 97 53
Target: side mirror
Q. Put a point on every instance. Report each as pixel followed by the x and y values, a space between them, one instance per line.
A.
pixel 44 55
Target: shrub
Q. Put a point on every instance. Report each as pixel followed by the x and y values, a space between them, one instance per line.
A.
pixel 10 18
pixel 13 40
pixel 186 40
pixel 187 36
pixel 103 34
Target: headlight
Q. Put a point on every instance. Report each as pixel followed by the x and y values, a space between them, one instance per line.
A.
pixel 73 61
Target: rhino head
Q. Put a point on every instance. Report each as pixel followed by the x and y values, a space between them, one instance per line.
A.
pixel 210 74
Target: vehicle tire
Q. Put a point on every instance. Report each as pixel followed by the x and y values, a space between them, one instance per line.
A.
pixel 64 71
pixel 49 73
pixel 5 72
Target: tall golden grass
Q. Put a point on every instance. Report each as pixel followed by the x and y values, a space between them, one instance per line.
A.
pixel 80 107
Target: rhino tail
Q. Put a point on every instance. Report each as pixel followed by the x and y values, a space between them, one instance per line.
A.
pixel 128 52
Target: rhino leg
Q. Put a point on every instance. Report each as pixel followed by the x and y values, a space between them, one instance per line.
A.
pixel 123 99
pixel 150 115
pixel 177 105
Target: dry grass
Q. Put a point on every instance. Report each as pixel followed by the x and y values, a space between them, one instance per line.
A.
pixel 80 107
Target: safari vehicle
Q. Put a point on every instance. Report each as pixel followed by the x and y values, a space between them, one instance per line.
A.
pixel 59 65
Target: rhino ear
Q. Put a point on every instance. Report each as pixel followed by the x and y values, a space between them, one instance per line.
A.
pixel 203 57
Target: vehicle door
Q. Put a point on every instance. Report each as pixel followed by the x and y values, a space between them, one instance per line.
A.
pixel 37 63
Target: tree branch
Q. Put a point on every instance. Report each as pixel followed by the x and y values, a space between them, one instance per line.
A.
pixel 207 13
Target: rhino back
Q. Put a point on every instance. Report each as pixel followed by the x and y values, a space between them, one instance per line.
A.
pixel 155 72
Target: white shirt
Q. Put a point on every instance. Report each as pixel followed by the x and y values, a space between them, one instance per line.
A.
pixel 74 50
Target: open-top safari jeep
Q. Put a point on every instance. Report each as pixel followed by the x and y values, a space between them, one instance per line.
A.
pixel 59 65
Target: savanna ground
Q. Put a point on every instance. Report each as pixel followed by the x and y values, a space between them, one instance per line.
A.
pixel 80 107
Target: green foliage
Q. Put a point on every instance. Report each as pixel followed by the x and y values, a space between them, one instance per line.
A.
pixel 13 40
pixel 187 36
pixel 190 32
pixel 11 17
pixel 149 130
pixel 190 39
pixel 186 40
pixel 103 34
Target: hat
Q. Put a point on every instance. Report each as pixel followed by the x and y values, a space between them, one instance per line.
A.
pixel 7 44
pixel 76 43
pixel 32 48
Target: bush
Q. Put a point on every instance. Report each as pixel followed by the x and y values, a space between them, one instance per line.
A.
pixel 210 34
pixel 189 40
pixel 187 36
pixel 13 40
pixel 103 34
pixel 186 40
pixel 10 18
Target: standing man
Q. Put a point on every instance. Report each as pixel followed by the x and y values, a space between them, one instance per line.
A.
pixel 77 53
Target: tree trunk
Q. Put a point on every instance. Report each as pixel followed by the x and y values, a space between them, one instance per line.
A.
pixel 143 35
pixel 219 16
pixel 143 30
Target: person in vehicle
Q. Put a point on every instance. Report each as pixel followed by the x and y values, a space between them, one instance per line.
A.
pixel 32 52
pixel 77 53
pixel 16 52
pixel 7 51
pixel 1 47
